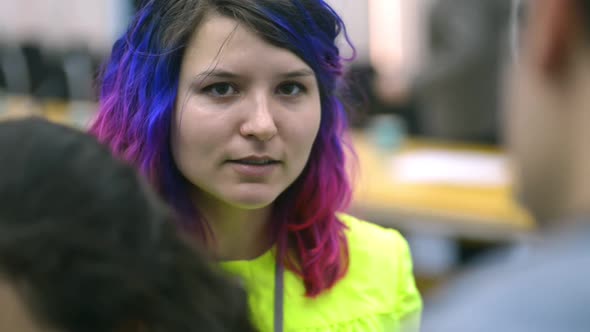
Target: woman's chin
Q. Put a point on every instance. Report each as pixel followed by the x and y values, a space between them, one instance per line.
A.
pixel 252 199
pixel 252 203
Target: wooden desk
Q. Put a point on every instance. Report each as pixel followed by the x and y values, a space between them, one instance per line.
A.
pixel 74 113
pixel 487 212
pixel 16 106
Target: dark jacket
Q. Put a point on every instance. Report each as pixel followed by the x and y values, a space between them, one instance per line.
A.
pixel 547 290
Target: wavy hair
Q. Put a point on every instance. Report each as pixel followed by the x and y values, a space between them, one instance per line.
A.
pixel 139 86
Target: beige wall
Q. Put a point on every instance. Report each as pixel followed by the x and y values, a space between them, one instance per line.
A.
pixel 355 14
pixel 59 23
pixel 393 41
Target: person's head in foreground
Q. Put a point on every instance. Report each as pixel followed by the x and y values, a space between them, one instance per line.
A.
pixel 85 246
pixel 229 108
pixel 542 288
pixel 548 116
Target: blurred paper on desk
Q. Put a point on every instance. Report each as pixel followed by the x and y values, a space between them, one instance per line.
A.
pixel 457 168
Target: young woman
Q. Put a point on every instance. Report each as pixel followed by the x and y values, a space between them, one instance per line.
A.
pixel 229 108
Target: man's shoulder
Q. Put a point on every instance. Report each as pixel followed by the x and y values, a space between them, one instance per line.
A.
pixel 546 281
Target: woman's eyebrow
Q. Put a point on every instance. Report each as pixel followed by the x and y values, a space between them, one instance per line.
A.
pixel 222 73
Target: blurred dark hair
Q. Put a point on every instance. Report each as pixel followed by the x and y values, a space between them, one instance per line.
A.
pixel 92 245
pixel 585 4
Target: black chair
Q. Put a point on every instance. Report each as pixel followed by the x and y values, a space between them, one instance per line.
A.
pixel 37 70
pixel 80 67
pixel 54 84
pixel 15 70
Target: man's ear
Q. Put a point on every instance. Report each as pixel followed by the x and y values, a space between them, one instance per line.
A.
pixel 555 28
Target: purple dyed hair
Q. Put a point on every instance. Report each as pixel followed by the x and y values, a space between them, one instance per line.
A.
pixel 139 89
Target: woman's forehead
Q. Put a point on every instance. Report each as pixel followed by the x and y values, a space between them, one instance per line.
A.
pixel 222 42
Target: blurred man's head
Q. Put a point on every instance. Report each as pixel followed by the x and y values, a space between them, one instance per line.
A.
pixel 548 119
pixel 86 246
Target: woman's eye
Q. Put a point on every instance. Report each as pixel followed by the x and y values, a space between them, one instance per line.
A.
pixel 291 89
pixel 220 90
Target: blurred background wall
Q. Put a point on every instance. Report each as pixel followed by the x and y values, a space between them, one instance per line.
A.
pixel 387 33
pixel 61 24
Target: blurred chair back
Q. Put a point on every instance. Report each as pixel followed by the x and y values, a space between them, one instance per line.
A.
pixel 37 70
pixel 15 70
pixel 54 85
pixel 79 70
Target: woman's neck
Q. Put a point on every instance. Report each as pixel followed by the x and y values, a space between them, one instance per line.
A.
pixel 238 233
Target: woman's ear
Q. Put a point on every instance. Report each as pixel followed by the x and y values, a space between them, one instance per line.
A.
pixel 555 27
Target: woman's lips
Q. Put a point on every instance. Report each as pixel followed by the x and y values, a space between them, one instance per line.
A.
pixel 255 169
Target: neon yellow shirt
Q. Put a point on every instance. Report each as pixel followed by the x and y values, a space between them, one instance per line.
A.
pixel 377 294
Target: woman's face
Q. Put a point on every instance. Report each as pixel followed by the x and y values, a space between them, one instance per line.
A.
pixel 246 116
